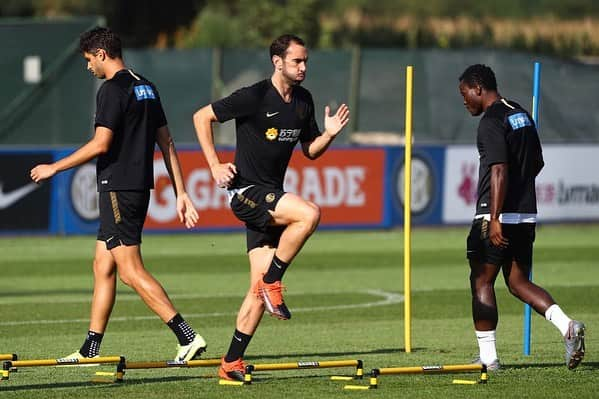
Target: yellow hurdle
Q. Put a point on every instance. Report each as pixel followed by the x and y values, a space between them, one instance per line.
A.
pixel 122 366
pixel 456 368
pixel 8 356
pixel 358 364
pixel 440 369
pixel 8 365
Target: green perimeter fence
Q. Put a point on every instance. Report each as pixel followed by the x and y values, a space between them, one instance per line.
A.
pixel 59 108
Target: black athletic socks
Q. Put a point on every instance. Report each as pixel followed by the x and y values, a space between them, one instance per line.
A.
pixel 91 346
pixel 182 330
pixel 275 271
pixel 239 343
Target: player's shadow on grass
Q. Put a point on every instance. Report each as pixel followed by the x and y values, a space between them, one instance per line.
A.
pixel 303 355
pixel 6 387
pixel 584 365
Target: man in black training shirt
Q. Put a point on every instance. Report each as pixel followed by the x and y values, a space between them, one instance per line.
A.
pixel 129 122
pixel 271 117
pixel 503 230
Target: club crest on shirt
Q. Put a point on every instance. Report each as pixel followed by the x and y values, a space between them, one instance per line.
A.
pixel 271 134
pixel 270 197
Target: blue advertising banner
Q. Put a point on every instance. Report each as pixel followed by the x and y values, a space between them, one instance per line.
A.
pixel 355 188
pixel 427 184
pixel 74 208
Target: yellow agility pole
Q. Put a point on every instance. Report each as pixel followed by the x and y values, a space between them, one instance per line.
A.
pixel 8 356
pixel 249 369
pixel 407 222
pixel 7 365
pixel 124 365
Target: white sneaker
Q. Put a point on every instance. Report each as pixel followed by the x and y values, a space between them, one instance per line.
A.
pixel 495 365
pixel 574 341
pixel 191 351
pixel 73 360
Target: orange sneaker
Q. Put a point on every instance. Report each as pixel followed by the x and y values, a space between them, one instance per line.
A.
pixel 271 295
pixel 233 371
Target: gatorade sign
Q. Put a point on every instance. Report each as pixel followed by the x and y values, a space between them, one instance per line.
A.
pixel 347 184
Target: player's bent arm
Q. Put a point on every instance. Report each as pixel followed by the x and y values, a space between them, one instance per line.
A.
pixel 315 148
pixel 333 124
pixel 202 121
pixel 99 144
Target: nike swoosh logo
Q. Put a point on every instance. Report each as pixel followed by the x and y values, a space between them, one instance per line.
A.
pixel 269 114
pixel 237 338
pixel 8 199
pixel 277 265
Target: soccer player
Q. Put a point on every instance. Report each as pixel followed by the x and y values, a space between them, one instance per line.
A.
pixel 129 121
pixel 503 230
pixel 271 117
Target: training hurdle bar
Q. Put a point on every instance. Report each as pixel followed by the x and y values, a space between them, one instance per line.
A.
pixel 440 369
pixel 7 365
pixel 251 368
pixel 125 365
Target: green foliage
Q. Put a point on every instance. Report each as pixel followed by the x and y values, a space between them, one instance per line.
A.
pixel 335 23
pixel 253 23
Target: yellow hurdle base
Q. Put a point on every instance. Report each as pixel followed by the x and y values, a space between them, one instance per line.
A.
pixel 228 382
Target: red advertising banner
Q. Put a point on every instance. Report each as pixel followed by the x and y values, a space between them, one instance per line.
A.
pixel 346 183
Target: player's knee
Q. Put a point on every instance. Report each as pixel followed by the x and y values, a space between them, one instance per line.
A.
pixel 312 216
pixel 516 288
pixel 126 279
pixel 127 276
pixel 102 269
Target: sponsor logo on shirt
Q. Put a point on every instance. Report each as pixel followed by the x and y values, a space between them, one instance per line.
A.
pixel 289 134
pixel 519 120
pixel 144 92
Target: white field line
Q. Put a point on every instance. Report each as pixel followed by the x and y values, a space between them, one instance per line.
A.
pixel 387 298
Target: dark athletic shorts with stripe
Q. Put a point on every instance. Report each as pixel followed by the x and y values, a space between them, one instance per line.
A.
pixel 122 216
pixel 252 207
pixel 520 236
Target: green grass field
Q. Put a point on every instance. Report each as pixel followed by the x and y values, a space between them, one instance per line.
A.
pixel 345 294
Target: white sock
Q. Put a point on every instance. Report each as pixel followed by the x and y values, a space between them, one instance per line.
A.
pixel 486 346
pixel 559 319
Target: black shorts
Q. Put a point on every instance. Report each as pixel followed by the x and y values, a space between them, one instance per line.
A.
pixel 520 236
pixel 122 217
pixel 252 207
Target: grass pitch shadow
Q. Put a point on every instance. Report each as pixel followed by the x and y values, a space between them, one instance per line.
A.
pixel 303 355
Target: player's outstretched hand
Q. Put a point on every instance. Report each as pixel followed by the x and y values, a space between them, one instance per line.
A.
pixel 223 174
pixel 42 172
pixel 334 123
pixel 186 211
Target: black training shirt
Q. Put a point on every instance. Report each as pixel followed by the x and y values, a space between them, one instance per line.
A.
pixel 267 131
pixel 507 134
pixel 129 105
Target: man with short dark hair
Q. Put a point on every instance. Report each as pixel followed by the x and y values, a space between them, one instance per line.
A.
pixel 129 122
pixel 503 230
pixel 271 117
